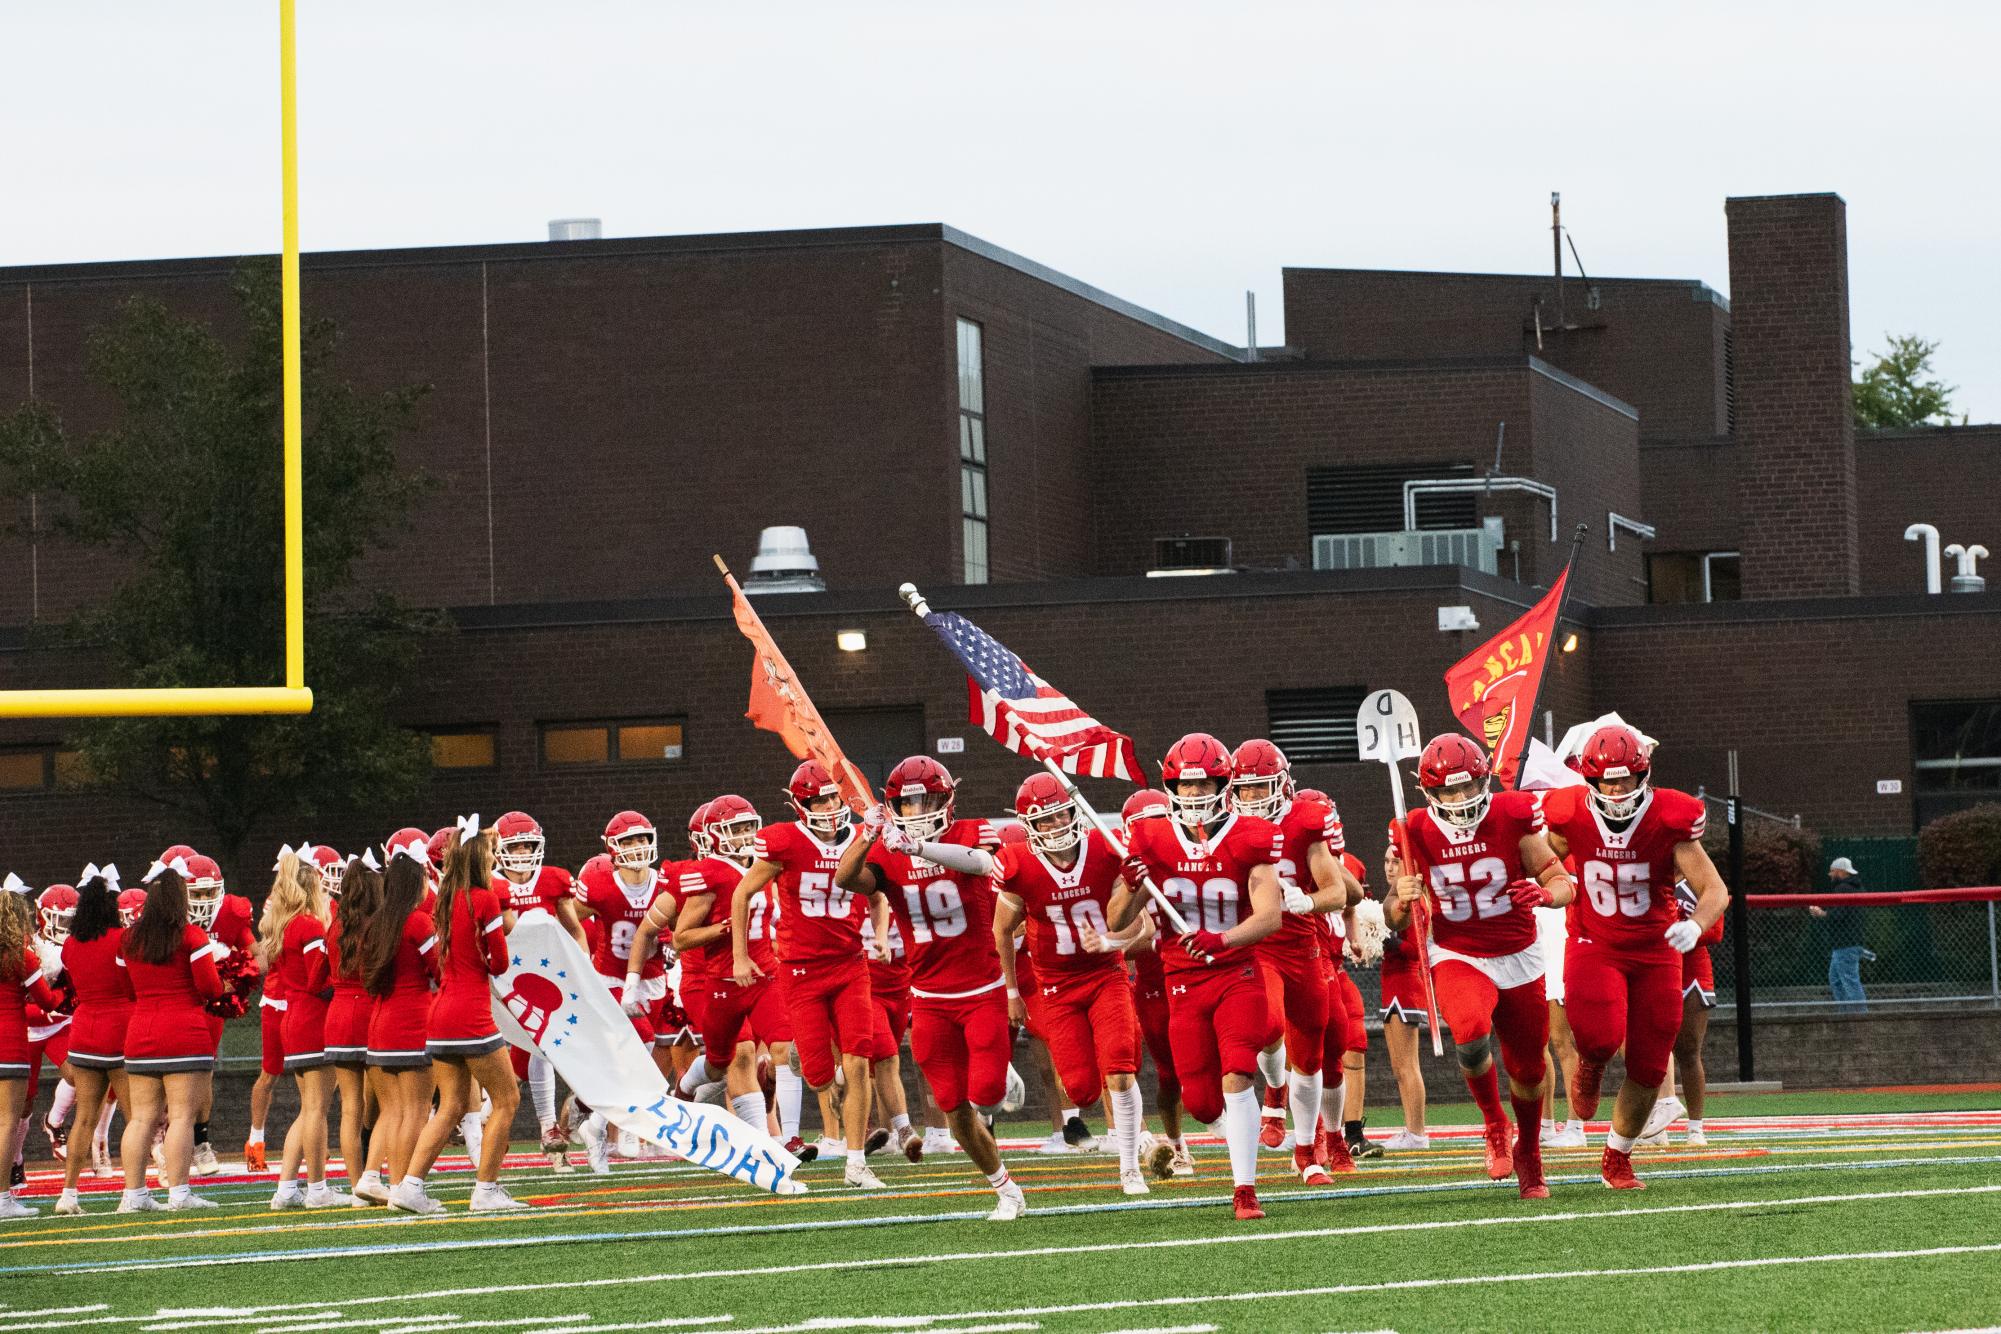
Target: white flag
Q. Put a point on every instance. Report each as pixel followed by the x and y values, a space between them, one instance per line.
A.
pixel 551 1000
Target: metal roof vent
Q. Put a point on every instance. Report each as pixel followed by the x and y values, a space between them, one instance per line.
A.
pixel 576 229
pixel 784 563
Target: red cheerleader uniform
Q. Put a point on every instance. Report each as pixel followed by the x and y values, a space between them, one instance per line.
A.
pixel 461 1021
pixel 301 971
pixel 345 1031
pixel 103 1000
pixel 27 984
pixel 168 1034
pixel 396 1024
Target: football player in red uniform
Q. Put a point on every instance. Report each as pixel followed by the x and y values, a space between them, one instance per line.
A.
pixel 821 971
pixel 1628 841
pixel 230 922
pixel 1292 959
pixel 1219 869
pixel 1481 859
pixel 1698 998
pixel 1403 1013
pixel 1168 1156
pixel 1060 882
pixel 933 871
pixel 524 881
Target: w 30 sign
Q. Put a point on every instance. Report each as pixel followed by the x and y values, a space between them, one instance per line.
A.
pixel 1386 728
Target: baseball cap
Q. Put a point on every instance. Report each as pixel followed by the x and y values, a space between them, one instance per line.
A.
pixel 1841 864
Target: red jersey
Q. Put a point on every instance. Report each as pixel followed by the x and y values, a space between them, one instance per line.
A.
pixel 946 917
pixel 718 877
pixel 1468 872
pixel 545 889
pixel 620 908
pixel 233 925
pixel 1209 883
pixel 1625 877
pixel 817 919
pixel 1303 824
pixel 301 966
pixel 478 947
pixel 1058 903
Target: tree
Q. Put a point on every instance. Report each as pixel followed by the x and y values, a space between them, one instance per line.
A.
pixel 186 491
pixel 1899 391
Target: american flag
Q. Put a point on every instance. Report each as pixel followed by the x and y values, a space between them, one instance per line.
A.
pixel 1027 714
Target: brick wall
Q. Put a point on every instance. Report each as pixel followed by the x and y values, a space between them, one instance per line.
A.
pixel 1796 475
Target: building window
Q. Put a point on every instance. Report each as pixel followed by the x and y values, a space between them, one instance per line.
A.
pixel 462 748
pixel 1693 576
pixel 41 769
pixel 1315 726
pixel 1368 498
pixel 634 741
pixel 1955 755
pixel 973 450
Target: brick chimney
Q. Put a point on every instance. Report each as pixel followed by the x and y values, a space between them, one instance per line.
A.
pixel 1795 430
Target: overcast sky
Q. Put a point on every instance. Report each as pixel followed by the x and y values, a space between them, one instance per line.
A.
pixel 1175 154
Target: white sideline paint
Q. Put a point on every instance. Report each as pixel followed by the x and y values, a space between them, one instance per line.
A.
pixel 1168 1329
pixel 926 1324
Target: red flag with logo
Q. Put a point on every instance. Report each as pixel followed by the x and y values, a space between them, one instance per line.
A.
pixel 1493 689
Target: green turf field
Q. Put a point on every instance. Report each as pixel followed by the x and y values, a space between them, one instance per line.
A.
pixel 1871 1227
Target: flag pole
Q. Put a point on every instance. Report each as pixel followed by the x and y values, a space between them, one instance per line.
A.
pixel 920 608
pixel 1555 630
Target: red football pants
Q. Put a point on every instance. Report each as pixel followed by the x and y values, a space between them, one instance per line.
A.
pixel 1346 1030
pixel 1472 1007
pixel 731 1014
pixel 962 1047
pixel 1091 1029
pixel 1613 996
pixel 889 1023
pixel 831 1009
pixel 1157 1030
pixel 1295 992
pixel 271 1025
pixel 55 1048
pixel 1218 1022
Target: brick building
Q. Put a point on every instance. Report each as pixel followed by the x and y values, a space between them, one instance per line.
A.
pixel 1031 450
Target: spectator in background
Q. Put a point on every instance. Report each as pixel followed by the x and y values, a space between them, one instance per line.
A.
pixel 1844 931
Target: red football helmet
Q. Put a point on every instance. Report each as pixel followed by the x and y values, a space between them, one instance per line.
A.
pixel 1450 759
pixel 181 850
pixel 731 827
pixel 632 840
pixel 698 831
pixel 1260 764
pixel 518 844
pixel 331 866
pixel 438 846
pixel 1149 803
pixel 131 902
pixel 926 784
pixel 1312 794
pixel 809 781
pixel 1614 751
pixel 205 890
pixel 1042 797
pixel 55 908
pixel 410 842
pixel 1197 755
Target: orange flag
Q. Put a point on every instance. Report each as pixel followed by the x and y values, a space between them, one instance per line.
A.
pixel 778 703
pixel 1493 689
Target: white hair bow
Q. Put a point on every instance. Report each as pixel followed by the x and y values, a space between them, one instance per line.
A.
pixel 108 873
pixel 366 857
pixel 14 884
pixel 287 850
pixel 468 828
pixel 179 866
pixel 416 849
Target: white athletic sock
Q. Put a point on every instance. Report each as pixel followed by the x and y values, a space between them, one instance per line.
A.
pixel 288 1188
pixel 415 1183
pixel 749 1108
pixel 104 1118
pixel 1130 1117
pixel 65 1099
pixel 133 1196
pixel 1240 1131
pixel 1618 1143
pixel 1695 1125
pixel 1332 1100
pixel 791 1091
pixel 900 1122
pixel 69 1195
pixel 697 1075
pixel 998 1179
pixel 176 1194
pixel 542 1089
pixel 1271 1064
pixel 256 1134
pixel 1069 1112
pixel 1304 1095
pixel 473 1126
pixel 857 1158
pixel 1548 1126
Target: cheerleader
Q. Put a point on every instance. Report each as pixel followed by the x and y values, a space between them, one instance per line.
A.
pixel 466 1048
pixel 169 1057
pixel 21 981
pixel 293 935
pixel 103 1008
pixel 359 890
pixel 396 955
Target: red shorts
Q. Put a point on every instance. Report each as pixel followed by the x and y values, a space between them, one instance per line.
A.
pixel 1218 1023
pixel 1403 991
pixel 1698 974
pixel 55 1049
pixel 271 1029
pixel 302 1034
pixel 892 1021
pixel 1091 1028
pixel 1296 992
pixel 1155 1028
pixel 345 1032
pixel 694 993
pixel 1614 997
pixel 1346 1029
pixel 1028 983
pixel 670 1021
pixel 1472 1007
pixel 732 1014
pixel 962 1046
pixel 831 1007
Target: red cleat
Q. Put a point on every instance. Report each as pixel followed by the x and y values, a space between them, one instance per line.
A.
pixel 1275 1098
pixel 1272 1134
pixel 1584 1089
pixel 1332 1152
pixel 1246 1202
pixel 801 1150
pixel 1500 1150
pixel 1617 1169
pixel 1311 1170
pixel 1528 1168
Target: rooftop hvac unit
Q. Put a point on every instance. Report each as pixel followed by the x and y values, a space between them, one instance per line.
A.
pixel 1475 548
pixel 1190 555
pixel 575 229
pixel 784 563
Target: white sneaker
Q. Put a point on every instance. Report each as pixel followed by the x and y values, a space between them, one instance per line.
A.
pixel 596 1150
pixel 937 1139
pixel 1011 1204
pixel 492 1198
pixel 370 1190
pixel 830 1150
pixel 473 1127
pixel 1570 1135
pixel 189 1202
pixel 144 1202
pixel 204 1163
pixel 100 1158
pixel 1698 1139
pixel 13 1208
pixel 628 1145
pixel 1143 1145
pixel 1667 1110
pixel 68 1205
pixel 326 1197
pixel 159 1153
pixel 859 1174
pixel 1181 1163
pixel 1055 1144
pixel 288 1199
pixel 412 1199
pixel 1405 1141
pixel 1133 1182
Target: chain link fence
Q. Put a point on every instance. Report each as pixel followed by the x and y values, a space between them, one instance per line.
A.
pixel 1896 955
